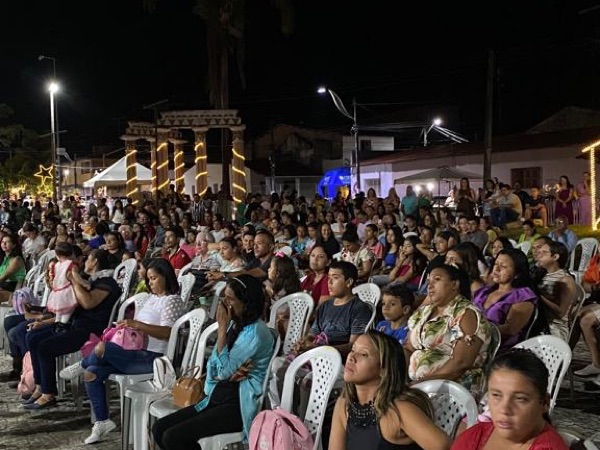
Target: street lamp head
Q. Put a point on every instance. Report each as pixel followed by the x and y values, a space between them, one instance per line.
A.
pixel 53 87
pixel 437 121
pixel 322 90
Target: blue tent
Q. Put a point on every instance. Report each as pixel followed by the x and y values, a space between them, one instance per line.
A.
pixel 333 180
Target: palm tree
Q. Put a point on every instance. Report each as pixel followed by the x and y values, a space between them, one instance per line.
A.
pixel 225 26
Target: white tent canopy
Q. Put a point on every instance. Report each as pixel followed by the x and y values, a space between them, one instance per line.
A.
pixel 116 175
pixel 443 173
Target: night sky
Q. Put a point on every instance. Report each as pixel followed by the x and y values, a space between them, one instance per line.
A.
pixel 113 58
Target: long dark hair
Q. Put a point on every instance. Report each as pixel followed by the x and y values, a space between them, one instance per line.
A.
pixel 248 290
pixel 164 268
pixel 285 275
pixel 527 364
pixel 470 254
pixel 455 274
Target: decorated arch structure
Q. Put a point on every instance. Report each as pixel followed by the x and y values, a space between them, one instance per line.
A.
pixel 167 129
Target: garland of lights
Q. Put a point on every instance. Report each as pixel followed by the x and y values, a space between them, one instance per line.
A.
pixel 591 149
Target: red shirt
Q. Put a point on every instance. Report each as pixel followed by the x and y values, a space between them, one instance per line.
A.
pixel 316 290
pixel 476 437
pixel 179 259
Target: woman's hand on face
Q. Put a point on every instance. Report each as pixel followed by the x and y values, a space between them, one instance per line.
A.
pixel 223 314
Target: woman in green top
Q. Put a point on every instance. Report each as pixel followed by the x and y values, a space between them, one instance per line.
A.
pixel 529 234
pixel 12 268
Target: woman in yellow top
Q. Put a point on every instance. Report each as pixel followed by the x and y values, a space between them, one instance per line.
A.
pixel 12 268
pixel 529 234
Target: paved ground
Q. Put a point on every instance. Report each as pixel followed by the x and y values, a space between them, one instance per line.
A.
pixel 63 427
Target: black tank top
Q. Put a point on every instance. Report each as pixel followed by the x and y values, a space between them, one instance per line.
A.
pixel 362 431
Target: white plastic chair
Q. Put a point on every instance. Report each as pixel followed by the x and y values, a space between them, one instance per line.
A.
pixel 286 250
pixel 451 402
pixel 186 284
pixel 571 438
pixel 301 307
pixel 326 364
pixel 139 396
pixel 130 266
pixel 524 246
pixel 163 407
pixel 137 300
pixel 556 355
pixel 337 256
pixel 371 294
pixel 589 247
pixel 495 342
pixel 410 233
pixel 185 269
pixel 513 243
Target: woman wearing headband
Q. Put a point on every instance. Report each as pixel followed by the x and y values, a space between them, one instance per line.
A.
pixel 235 372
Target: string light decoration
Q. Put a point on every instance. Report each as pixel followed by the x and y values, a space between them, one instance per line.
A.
pixel 179 165
pixel 44 173
pixel 131 171
pixel 162 169
pixel 154 167
pixel 237 167
pixel 591 149
pixel 200 162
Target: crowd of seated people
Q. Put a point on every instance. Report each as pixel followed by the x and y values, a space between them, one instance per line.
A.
pixel 446 282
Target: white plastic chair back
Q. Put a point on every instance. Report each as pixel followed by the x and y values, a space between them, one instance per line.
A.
pixel 185 269
pixel 513 243
pixel 524 246
pixel 286 250
pixel 451 402
pixel 186 283
pixel 39 285
pixel 496 340
pixel 326 364
pixel 44 260
pixel 371 294
pixel 589 247
pixel 219 286
pixel 137 300
pixel 31 276
pixel 571 438
pixel 556 355
pixel 200 355
pixel 129 266
pixel 409 234
pixel 301 307
pixel 196 319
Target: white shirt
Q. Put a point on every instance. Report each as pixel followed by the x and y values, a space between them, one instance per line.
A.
pixel 161 311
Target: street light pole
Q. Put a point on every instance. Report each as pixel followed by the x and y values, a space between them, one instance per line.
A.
pixel 55 139
pixel 337 101
pixel 53 88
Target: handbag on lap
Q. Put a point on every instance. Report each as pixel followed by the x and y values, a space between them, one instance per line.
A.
pixel 189 388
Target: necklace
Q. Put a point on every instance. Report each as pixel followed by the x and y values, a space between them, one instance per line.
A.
pixel 363 416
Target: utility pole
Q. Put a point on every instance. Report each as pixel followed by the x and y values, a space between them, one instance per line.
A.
pixel 489 116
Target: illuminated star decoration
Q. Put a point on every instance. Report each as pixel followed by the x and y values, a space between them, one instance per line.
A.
pixel 44 173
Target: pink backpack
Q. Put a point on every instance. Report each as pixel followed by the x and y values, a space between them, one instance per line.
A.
pixel 279 429
pixel 26 384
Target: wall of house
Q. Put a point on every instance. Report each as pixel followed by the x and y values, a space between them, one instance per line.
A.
pixel 553 162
